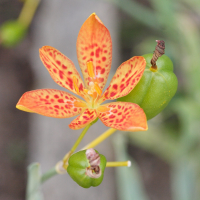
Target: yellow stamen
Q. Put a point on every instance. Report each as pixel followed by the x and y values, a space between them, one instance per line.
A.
pixel 85 91
pixel 98 89
pixel 103 109
pixel 119 164
pixel 94 95
pixel 90 69
pixel 75 81
pixel 79 104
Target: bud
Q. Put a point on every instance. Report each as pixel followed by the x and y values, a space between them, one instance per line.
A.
pixel 11 33
pixel 156 87
pixel 87 168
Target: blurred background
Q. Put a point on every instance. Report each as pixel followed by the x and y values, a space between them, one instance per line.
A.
pixel 165 159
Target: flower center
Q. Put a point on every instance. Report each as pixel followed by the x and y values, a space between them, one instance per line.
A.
pixel 94 86
pixel 94 92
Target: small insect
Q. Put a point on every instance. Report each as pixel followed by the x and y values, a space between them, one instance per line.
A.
pixel 159 51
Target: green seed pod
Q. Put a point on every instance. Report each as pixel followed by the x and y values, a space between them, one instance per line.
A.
pixel 156 88
pixel 11 33
pixel 87 168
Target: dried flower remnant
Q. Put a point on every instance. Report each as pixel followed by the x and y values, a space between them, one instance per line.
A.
pixel 159 51
pixel 93 170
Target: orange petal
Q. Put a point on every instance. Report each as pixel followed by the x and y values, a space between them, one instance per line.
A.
pixel 125 79
pixel 123 116
pixel 94 44
pixel 84 119
pixel 51 103
pixel 61 69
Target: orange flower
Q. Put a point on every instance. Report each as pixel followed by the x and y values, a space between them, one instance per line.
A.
pixel 94 50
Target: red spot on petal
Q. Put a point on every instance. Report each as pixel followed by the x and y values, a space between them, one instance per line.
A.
pixel 48 66
pixel 69 72
pixel 56 96
pixel 114 110
pixel 70 83
pixel 115 86
pixel 56 106
pixel 119 120
pixel 81 87
pixel 61 74
pixel 106 94
pixel 60 101
pixel 54 70
pixel 58 62
pixel 103 59
pixel 47 96
pixel 112 116
pixel 103 71
pixel 112 94
pixel 64 67
pixel 98 67
pixel 68 107
pixel 98 51
pixel 92 53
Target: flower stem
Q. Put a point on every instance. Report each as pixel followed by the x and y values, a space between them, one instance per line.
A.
pixel 101 138
pixel 28 12
pixel 66 157
pixel 119 164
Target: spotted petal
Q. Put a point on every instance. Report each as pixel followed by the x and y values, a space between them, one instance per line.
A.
pixel 61 69
pixel 125 79
pixel 123 116
pixel 51 103
pixel 84 119
pixel 94 44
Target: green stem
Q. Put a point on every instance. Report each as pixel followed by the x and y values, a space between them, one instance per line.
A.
pixel 52 172
pixel 28 11
pixel 80 138
pixel 65 159
pixel 100 139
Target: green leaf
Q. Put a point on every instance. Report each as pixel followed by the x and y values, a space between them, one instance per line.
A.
pixel 129 181
pixel 33 186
